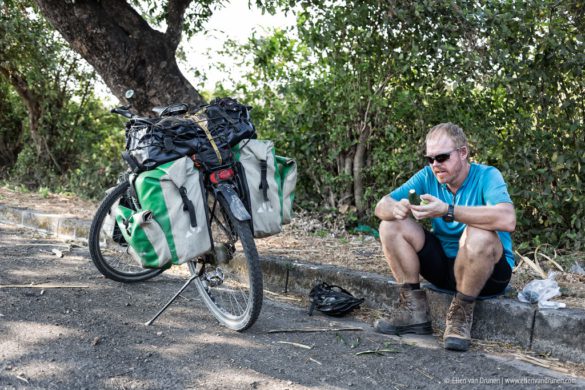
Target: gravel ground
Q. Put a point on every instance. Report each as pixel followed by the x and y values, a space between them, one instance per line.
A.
pixel 63 326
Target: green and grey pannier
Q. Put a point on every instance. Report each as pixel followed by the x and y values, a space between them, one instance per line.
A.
pixel 288 180
pixel 171 225
pixel 271 182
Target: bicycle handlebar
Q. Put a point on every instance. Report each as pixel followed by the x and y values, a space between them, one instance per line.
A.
pixel 170 110
pixel 123 110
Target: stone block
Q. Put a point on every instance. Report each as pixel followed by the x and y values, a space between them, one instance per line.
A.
pixel 10 215
pixel 46 222
pixel 74 228
pixel 561 333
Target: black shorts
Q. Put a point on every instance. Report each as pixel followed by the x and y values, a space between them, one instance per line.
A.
pixel 438 269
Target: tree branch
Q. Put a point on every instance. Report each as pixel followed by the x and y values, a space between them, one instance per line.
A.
pixel 175 17
pixel 124 50
pixel 84 97
pixel 126 17
pixel 19 83
pixel 380 88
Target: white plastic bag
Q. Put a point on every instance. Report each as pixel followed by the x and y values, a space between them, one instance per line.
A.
pixel 541 291
pixel 577 269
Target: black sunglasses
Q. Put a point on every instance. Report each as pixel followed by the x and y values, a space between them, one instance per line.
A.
pixel 440 158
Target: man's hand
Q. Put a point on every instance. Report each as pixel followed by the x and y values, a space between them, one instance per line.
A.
pixel 432 209
pixel 401 209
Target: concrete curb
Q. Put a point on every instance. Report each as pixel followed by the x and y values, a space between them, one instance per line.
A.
pixel 61 226
pixel 555 332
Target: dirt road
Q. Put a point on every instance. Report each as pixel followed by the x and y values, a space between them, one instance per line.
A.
pixel 81 331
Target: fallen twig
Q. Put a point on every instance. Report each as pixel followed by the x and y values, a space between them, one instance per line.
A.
pixel 518 265
pixel 295 344
pixel 534 265
pixel 283 296
pixel 183 297
pixel 553 262
pixel 22 378
pixel 425 374
pixel 541 363
pixel 376 352
pixel 316 361
pixel 61 245
pixel 40 286
pixel 305 330
pixel 284 250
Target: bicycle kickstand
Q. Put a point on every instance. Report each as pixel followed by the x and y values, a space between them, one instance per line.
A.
pixel 187 283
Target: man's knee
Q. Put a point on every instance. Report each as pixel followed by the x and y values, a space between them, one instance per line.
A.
pixel 389 229
pixel 406 229
pixel 481 244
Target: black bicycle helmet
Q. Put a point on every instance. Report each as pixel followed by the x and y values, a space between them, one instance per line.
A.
pixel 332 300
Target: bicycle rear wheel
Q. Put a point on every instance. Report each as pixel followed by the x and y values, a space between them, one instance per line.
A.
pixel 107 247
pixel 230 283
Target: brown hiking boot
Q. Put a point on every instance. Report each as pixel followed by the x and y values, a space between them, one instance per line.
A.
pixel 410 315
pixel 457 335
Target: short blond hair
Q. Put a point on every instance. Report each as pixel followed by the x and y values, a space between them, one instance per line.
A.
pixel 451 130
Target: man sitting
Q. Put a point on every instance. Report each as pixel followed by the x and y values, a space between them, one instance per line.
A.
pixel 468 251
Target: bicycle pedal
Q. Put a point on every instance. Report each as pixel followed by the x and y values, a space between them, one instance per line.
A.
pixel 214 278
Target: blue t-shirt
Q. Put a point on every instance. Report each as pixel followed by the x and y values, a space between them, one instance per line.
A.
pixel 484 186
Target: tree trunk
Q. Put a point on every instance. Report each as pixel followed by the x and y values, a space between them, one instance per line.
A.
pixel 358 166
pixel 347 195
pixel 34 119
pixel 124 50
pixel 32 102
pixel 344 167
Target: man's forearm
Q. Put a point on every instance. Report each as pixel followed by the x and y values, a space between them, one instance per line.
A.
pixel 500 217
pixel 385 209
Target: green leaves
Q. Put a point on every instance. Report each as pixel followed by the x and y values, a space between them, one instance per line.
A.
pixel 50 123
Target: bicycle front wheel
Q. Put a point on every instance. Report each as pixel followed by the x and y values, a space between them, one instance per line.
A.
pixel 230 283
pixel 107 247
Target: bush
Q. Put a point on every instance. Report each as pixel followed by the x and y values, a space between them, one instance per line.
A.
pixel 372 77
